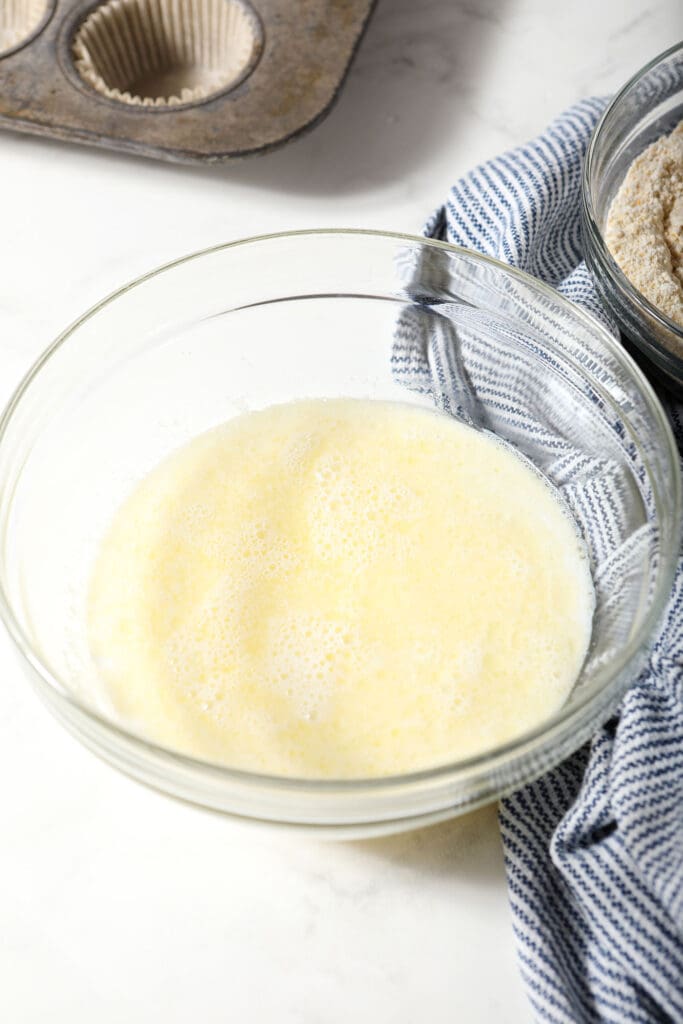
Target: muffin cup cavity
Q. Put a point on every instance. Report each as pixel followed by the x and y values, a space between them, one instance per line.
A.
pixel 19 21
pixel 160 53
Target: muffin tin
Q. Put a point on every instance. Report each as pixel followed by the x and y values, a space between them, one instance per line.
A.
pixel 180 80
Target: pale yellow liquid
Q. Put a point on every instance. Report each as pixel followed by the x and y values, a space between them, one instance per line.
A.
pixel 340 589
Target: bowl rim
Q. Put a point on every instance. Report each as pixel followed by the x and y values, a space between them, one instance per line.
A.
pixel 619 278
pixel 607 688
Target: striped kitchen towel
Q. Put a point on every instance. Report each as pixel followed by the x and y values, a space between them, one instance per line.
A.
pixel 594 850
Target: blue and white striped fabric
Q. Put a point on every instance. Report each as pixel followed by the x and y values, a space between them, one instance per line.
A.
pixel 594 850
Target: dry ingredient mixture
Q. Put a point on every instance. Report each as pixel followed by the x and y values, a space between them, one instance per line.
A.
pixel 645 224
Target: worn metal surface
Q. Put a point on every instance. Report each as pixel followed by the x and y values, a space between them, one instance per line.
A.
pixel 308 46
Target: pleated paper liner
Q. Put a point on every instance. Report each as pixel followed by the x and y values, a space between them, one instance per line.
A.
pixel 18 21
pixel 158 53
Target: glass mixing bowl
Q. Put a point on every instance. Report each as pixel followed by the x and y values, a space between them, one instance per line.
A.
pixel 648 106
pixel 331 313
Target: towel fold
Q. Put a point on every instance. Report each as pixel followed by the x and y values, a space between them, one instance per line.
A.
pixel 593 850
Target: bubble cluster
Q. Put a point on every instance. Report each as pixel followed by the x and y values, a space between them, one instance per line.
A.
pixel 307 659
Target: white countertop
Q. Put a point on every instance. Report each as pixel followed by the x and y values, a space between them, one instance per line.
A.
pixel 117 904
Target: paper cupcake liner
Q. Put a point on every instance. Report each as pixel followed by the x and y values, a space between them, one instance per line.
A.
pixel 18 20
pixel 165 52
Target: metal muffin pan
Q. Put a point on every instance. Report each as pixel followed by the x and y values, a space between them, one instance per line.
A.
pixel 195 81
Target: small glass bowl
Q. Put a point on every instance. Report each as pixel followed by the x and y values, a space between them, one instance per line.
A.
pixel 324 314
pixel 650 105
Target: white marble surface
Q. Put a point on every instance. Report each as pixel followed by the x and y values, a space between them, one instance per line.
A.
pixel 115 903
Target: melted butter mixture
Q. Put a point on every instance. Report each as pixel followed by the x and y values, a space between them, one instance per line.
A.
pixel 340 588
